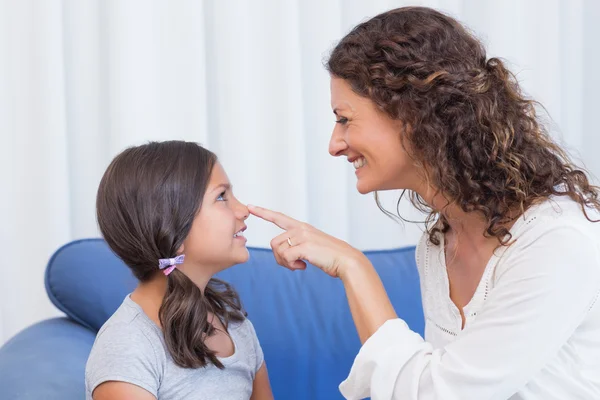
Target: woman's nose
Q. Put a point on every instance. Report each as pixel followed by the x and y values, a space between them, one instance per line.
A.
pixel 337 144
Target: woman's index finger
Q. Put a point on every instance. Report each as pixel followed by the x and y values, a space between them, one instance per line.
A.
pixel 277 218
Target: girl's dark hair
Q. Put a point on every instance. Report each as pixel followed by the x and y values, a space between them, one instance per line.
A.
pixel 146 203
pixel 470 128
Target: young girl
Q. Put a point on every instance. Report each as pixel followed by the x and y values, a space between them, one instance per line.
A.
pixel 167 210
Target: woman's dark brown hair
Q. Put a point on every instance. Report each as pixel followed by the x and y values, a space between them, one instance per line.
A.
pixel 146 203
pixel 470 128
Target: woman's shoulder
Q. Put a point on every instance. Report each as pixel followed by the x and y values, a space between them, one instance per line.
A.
pixel 421 249
pixel 555 237
pixel 556 215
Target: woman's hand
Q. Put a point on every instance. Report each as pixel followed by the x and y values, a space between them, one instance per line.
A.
pixel 369 303
pixel 301 241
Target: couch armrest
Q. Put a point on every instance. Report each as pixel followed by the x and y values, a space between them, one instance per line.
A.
pixel 46 361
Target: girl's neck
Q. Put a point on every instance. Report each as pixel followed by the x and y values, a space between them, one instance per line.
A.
pixel 149 295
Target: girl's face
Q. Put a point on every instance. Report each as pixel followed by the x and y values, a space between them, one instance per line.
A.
pixel 216 240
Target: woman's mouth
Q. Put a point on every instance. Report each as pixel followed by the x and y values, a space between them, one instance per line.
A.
pixel 359 162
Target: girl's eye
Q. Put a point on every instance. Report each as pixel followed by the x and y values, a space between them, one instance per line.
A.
pixel 222 197
pixel 342 121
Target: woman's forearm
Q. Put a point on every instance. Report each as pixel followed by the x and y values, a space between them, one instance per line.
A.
pixel 369 303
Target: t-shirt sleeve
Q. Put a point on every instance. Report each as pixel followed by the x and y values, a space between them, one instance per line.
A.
pixel 123 353
pixel 258 352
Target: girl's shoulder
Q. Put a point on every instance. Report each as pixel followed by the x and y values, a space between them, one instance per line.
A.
pixel 128 331
pixel 129 318
pixel 243 328
pixel 248 343
pixel 127 348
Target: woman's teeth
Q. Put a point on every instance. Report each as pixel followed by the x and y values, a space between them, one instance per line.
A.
pixel 238 234
pixel 359 162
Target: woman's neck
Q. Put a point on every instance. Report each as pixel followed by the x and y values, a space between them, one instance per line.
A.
pixel 466 232
pixel 470 225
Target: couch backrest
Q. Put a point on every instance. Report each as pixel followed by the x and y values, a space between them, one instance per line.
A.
pixel 302 318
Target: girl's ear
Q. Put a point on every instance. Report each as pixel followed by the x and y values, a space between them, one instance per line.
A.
pixel 181 249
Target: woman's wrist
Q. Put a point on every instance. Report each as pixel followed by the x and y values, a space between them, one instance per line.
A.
pixel 369 304
pixel 354 265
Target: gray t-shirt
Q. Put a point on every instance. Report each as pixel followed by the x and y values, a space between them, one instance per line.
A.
pixel 130 348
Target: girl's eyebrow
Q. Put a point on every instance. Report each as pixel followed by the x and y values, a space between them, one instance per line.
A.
pixel 224 186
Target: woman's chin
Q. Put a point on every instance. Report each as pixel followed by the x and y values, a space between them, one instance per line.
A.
pixel 364 186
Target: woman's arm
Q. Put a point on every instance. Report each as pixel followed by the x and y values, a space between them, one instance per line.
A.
pixel 544 290
pixel 261 389
pixel 114 390
pixel 369 303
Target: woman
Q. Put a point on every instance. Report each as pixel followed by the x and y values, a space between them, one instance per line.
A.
pixel 510 260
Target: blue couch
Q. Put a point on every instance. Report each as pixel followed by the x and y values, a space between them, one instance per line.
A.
pixel 301 318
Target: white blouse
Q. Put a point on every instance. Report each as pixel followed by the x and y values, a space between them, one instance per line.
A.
pixel 532 329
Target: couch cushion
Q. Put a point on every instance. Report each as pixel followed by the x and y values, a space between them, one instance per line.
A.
pixel 46 361
pixel 86 281
pixel 304 323
pixel 302 318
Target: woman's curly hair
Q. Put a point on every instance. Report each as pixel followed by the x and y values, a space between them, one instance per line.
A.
pixel 470 128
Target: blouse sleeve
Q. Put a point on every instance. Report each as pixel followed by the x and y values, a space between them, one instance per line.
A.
pixel 544 289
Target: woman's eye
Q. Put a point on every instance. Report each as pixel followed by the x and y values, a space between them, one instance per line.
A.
pixel 341 121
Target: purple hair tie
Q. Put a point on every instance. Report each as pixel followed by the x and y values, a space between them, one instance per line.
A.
pixel 169 264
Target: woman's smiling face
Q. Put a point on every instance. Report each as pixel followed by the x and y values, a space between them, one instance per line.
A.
pixel 371 141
